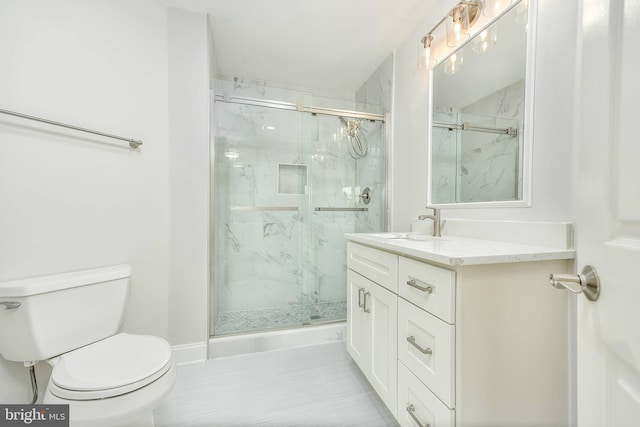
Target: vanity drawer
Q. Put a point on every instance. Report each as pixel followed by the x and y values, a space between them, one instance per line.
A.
pixel 376 265
pixel 417 400
pixel 426 346
pixel 433 287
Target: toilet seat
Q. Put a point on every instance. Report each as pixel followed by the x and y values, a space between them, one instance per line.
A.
pixel 111 367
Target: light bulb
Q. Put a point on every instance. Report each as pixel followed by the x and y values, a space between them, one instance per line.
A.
pixel 425 61
pixel 457 25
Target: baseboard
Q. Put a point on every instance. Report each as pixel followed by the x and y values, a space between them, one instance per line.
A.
pixel 185 354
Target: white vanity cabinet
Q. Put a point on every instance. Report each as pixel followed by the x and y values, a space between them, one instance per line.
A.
pixel 478 343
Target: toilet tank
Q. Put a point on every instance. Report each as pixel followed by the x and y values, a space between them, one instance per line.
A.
pixel 42 317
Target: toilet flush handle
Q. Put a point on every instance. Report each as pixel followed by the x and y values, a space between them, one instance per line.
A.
pixel 8 305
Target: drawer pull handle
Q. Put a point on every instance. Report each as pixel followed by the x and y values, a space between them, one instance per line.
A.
pixel 413 284
pixel 411 410
pixel 366 310
pixel 360 292
pixel 412 341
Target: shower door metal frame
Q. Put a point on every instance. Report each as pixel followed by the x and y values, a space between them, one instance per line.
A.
pixel 386 217
pixel 300 107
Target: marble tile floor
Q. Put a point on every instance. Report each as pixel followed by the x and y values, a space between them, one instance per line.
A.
pixel 312 386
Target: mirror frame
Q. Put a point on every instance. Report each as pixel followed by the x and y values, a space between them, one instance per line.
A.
pixel 526 153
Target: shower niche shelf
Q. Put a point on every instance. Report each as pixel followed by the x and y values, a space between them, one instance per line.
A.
pixel 292 179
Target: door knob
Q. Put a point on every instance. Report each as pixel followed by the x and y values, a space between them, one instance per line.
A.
pixel 587 282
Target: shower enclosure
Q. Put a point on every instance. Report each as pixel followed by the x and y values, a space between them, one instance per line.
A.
pixel 289 180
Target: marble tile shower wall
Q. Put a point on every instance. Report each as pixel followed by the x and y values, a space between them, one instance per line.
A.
pixel 285 159
pixel 481 167
pixel 377 90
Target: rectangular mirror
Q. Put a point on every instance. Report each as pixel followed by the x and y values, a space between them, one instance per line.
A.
pixel 479 144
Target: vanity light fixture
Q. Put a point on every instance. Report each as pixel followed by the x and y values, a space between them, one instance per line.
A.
pixel 458 21
pixel 486 39
pixel 425 60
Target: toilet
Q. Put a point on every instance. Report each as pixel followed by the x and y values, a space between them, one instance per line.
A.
pixel 72 322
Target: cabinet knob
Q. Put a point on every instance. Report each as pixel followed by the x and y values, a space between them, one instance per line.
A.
pixel 587 282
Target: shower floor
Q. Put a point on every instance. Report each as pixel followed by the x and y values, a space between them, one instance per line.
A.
pixel 290 316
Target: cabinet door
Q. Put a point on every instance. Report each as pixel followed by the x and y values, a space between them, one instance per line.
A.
pixel 383 306
pixel 358 325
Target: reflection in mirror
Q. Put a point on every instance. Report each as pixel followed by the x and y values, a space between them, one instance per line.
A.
pixel 478 108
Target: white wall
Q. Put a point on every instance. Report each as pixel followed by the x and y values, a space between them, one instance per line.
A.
pixel 553 123
pixel 189 177
pixel 70 201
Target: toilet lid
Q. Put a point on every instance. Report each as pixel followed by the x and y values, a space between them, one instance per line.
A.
pixel 113 366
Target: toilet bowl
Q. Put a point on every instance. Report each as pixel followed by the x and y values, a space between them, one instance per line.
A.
pixel 71 321
pixel 116 381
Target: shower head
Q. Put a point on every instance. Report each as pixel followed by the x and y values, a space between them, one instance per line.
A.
pixel 357 146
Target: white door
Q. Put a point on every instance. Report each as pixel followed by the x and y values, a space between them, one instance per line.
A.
pixel 608 213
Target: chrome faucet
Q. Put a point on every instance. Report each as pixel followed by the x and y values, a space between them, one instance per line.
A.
pixel 437 226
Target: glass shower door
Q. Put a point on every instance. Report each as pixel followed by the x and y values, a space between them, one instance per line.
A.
pixel 260 192
pixel 342 168
pixel 287 186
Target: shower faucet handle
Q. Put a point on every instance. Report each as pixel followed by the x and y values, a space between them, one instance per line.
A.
pixel 365 196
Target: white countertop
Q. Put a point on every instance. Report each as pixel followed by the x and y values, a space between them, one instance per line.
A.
pixel 456 251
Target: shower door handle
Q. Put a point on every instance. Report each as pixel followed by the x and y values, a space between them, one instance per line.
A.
pixel 360 292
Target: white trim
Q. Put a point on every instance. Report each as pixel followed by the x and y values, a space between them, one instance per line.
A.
pixel 185 354
pixel 389 144
pixel 526 153
pixel 233 345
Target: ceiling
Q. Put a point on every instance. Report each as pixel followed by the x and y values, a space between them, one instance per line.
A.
pixel 315 44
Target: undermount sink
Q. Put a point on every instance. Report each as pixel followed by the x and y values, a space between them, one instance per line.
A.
pixel 421 237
